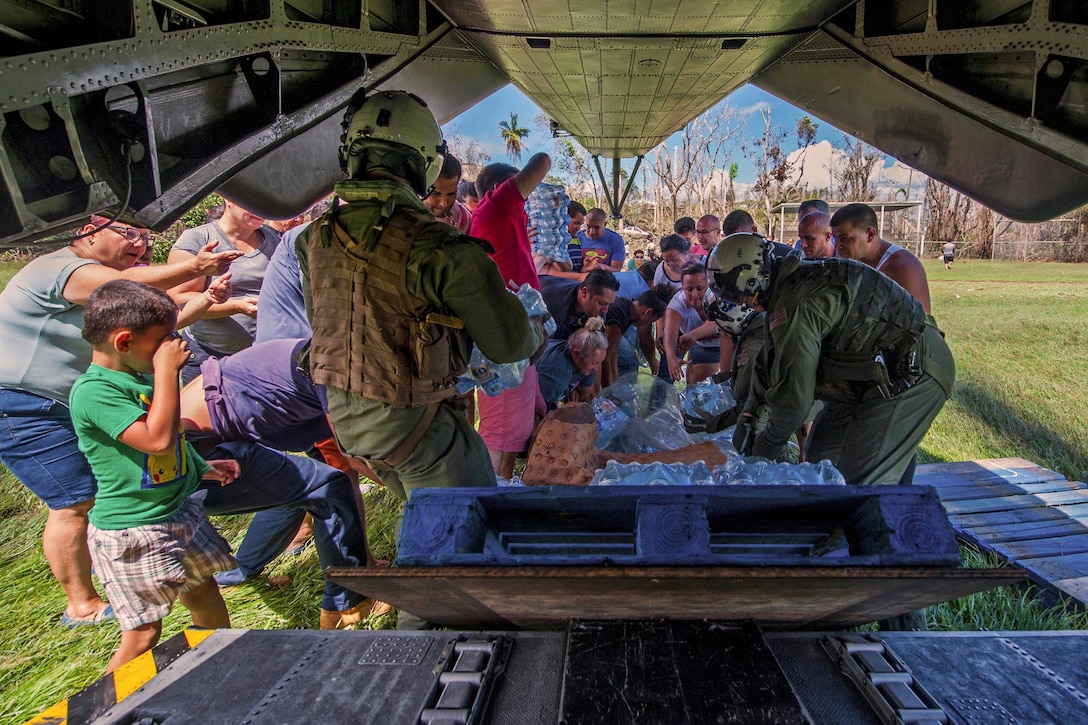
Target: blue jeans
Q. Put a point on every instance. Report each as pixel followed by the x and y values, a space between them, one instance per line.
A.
pixel 702 355
pixel 38 445
pixel 271 479
pixel 267 537
pixel 198 353
pixel 626 359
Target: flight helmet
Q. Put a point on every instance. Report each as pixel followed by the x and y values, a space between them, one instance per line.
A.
pixel 394 132
pixel 732 318
pixel 740 264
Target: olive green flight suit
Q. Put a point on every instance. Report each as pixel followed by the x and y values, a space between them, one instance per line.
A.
pixel 453 274
pixel 843 333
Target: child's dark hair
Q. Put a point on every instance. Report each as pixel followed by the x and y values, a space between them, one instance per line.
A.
pixel 657 298
pixel 649 269
pixel 491 176
pixel 124 304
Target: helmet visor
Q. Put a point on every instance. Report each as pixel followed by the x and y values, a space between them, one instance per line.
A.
pixel 727 284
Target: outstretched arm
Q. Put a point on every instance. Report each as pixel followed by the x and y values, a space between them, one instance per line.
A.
pixel 533 173
pixel 610 367
pixel 85 280
pixel 218 292
pixel 671 341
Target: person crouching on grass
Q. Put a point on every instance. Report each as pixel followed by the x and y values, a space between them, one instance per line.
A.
pixel 149 538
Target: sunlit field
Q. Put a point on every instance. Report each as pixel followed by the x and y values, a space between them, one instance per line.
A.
pixel 1020 336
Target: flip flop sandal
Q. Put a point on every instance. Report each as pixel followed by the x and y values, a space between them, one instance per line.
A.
pixel 104 616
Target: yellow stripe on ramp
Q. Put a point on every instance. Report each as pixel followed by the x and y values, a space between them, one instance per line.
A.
pixel 126 679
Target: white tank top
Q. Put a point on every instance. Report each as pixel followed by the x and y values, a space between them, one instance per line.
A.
pixel 892 249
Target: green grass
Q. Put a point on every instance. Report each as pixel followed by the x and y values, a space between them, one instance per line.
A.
pixel 1018 332
pixel 10 263
pixel 1001 609
pixel 41 662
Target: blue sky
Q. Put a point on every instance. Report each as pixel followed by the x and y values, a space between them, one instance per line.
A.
pixel 481 123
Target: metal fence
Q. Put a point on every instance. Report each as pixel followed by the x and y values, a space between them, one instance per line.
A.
pixel 1038 250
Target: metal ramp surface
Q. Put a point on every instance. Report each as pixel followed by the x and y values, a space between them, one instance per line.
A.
pixel 1028 515
pixel 596 672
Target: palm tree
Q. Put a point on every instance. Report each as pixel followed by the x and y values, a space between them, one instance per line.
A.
pixel 512 134
pixel 731 195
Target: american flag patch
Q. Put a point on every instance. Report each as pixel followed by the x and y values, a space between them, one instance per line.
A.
pixel 742 359
pixel 778 318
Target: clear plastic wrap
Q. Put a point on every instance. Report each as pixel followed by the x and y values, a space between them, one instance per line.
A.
pixel 611 420
pixel 547 211
pixel 653 419
pixel 534 304
pixel 707 399
pixel 760 472
pixel 491 377
pixel 514 482
pixel 653 474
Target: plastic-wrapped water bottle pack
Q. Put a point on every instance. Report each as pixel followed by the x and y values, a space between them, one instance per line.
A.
pixel 653 474
pixel 707 399
pixel 610 420
pixel 547 210
pixel 534 304
pixel 492 377
pixel 738 472
pixel 642 415
pixel 759 472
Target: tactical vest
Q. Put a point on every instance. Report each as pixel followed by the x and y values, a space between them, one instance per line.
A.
pixel 876 342
pixel 371 336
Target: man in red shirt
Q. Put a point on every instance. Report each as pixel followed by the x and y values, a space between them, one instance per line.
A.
pixel 506 419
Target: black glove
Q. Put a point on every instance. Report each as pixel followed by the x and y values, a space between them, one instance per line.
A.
pixel 712 425
pixel 720 378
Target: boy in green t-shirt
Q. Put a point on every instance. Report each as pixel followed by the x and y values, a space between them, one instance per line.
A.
pixel 150 541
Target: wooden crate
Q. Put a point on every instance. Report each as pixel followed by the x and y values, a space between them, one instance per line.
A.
pixel 678 526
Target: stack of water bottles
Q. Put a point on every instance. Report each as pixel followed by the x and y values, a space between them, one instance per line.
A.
pixel 707 399
pixel 611 420
pixel 547 210
pixel 492 377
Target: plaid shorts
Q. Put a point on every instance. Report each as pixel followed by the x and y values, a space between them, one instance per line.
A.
pixel 144 569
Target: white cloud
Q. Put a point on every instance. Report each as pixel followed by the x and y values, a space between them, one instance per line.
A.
pixel 822 158
pixel 754 108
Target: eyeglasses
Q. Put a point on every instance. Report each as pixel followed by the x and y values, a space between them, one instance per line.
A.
pixel 130 233
pixel 706 231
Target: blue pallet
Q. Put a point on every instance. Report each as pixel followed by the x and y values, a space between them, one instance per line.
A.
pixel 677 525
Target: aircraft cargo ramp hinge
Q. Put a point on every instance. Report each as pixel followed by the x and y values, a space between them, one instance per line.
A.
pixel 884 680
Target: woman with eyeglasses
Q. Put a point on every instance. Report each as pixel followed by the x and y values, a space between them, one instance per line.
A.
pixel 232 326
pixel 41 320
